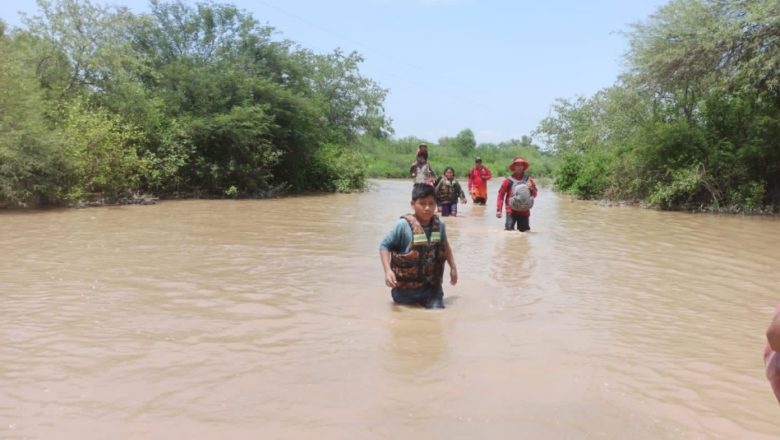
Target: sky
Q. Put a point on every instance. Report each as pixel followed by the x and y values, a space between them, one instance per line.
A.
pixel 495 67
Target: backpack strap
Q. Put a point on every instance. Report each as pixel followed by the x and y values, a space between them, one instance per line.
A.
pixel 418 231
pixel 439 182
pixel 523 179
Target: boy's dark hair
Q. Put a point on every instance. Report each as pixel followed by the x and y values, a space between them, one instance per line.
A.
pixel 448 168
pixel 421 191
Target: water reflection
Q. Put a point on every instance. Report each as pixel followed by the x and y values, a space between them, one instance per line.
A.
pixel 417 342
pixel 514 262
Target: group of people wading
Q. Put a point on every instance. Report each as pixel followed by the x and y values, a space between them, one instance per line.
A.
pixel 516 192
pixel 413 253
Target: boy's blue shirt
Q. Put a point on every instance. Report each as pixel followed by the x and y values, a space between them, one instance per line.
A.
pixel 399 239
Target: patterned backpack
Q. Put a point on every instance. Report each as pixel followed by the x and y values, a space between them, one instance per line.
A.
pixel 520 198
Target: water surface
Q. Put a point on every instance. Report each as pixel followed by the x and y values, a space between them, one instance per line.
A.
pixel 270 319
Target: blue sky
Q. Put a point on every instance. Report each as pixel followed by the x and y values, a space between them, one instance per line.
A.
pixel 492 66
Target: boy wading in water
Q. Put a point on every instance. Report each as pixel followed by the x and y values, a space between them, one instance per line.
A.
pixel 414 252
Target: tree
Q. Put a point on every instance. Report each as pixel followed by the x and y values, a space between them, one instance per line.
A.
pixel 33 169
pixel 464 142
pixel 187 98
pixel 352 103
pixel 693 122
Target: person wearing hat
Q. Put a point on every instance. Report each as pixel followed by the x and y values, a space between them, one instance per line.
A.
pixel 509 186
pixel 478 177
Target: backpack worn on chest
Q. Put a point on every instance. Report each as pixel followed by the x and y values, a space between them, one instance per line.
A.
pixel 520 194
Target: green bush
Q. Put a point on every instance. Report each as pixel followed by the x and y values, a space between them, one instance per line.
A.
pixel 568 169
pixel 683 184
pixel 337 168
pixel 232 149
pixel 33 167
pixel 749 196
pixel 100 149
pixel 232 191
pixel 584 175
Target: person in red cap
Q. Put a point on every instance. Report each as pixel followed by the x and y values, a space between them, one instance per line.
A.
pixel 772 353
pixel 517 192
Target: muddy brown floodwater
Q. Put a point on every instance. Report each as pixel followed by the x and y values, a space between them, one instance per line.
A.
pixel 270 319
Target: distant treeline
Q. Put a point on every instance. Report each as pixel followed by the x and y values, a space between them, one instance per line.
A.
pixel 393 157
pixel 194 100
pixel 693 123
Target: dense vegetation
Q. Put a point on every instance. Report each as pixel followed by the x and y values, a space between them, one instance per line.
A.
pixel 694 122
pixel 191 100
pixel 202 100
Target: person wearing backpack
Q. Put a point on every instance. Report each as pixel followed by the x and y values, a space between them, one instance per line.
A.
pixel 518 192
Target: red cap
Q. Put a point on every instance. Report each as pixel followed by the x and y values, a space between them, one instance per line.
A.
pixel 519 161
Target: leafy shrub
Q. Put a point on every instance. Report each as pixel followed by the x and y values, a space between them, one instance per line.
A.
pixel 100 151
pixel 584 175
pixel 749 196
pixel 682 185
pixel 337 168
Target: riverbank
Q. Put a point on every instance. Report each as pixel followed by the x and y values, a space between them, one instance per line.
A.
pixel 693 209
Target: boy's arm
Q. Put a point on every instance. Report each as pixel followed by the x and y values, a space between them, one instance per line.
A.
pixel 394 241
pixel 773 334
pixel 532 187
pixel 436 185
pixel 488 176
pixel 451 261
pixel 384 256
pixel 461 194
pixel 500 201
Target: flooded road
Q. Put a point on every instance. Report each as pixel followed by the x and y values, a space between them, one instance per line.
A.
pixel 270 319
